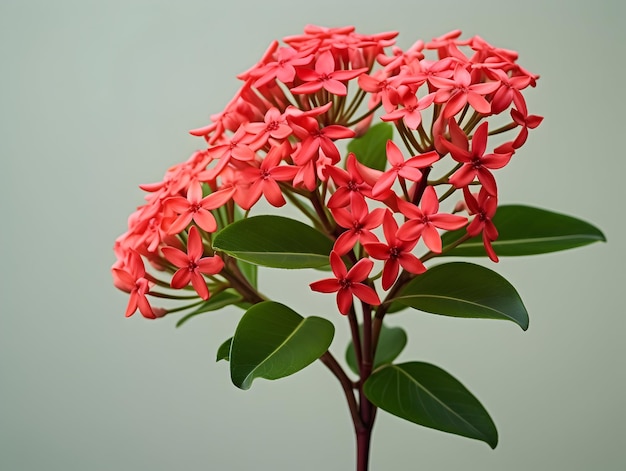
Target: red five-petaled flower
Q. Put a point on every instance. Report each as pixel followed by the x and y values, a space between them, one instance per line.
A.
pixel 358 223
pixel 396 253
pixel 476 163
pixel 195 208
pixel 131 278
pixel 325 76
pixel 347 283
pixel 191 264
pixel 409 169
pixel 484 207
pixel 425 221
pixel 264 180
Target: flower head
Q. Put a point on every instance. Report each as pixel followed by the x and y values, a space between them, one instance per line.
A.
pixel 347 283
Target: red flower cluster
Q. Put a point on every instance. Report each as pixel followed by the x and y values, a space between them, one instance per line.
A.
pixel 278 138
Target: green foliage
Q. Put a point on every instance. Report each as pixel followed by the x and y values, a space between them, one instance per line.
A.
pixel 524 230
pixel 391 342
pixel 464 290
pixel 223 353
pixel 215 302
pixel 426 395
pixel 250 271
pixel 274 241
pixel 273 341
pixel 370 149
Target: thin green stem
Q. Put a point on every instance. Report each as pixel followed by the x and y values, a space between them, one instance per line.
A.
pixel 504 128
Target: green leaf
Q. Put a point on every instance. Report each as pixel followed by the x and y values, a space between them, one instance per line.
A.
pixel 272 341
pixel 215 302
pixel 250 271
pixel 223 353
pixel 274 241
pixel 391 342
pixel 464 290
pixel 426 395
pixel 524 230
pixel 370 149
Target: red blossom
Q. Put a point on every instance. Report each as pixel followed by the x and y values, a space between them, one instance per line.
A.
pixel 484 207
pixel 409 169
pixel 359 223
pixel 325 76
pixel 195 208
pixel 396 253
pixel 424 222
pixel 264 179
pixel 348 283
pixel 460 90
pixel 526 121
pixel 283 68
pixel 350 184
pixel 312 137
pixel 410 114
pixel 476 164
pixel 131 277
pixel 192 265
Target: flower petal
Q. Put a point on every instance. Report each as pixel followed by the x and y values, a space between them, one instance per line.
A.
pixel 360 270
pixel 175 256
pixel 328 285
pixel 365 293
pixel 199 284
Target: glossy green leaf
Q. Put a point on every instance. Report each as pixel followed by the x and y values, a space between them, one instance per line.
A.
pixel 274 241
pixel 462 289
pixel 223 353
pixel 524 230
pixel 273 341
pixel 250 271
pixel 426 395
pixel 370 149
pixel 215 302
pixel 391 342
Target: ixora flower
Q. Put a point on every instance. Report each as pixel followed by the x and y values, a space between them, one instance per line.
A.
pixel 424 131
pixel 347 283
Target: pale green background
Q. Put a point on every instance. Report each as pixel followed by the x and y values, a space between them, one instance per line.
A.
pixel 97 97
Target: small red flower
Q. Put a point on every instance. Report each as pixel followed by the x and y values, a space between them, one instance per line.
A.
pixel 409 169
pixel 459 91
pixel 358 223
pixel 347 283
pixel 264 180
pixel 192 265
pixel 484 207
pixel 195 208
pixel 131 278
pixel 325 76
pixel 396 253
pixel 424 222
pixel 476 164
pixel 350 184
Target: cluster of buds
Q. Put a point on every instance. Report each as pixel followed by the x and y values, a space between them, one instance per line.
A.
pixel 276 140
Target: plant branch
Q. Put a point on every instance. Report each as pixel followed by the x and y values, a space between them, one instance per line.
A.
pixel 346 384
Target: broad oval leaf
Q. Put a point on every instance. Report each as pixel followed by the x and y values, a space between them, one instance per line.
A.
pixel 223 353
pixel 370 149
pixel 427 395
pixel 391 342
pixel 273 341
pixel 215 302
pixel 274 241
pixel 524 230
pixel 462 289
